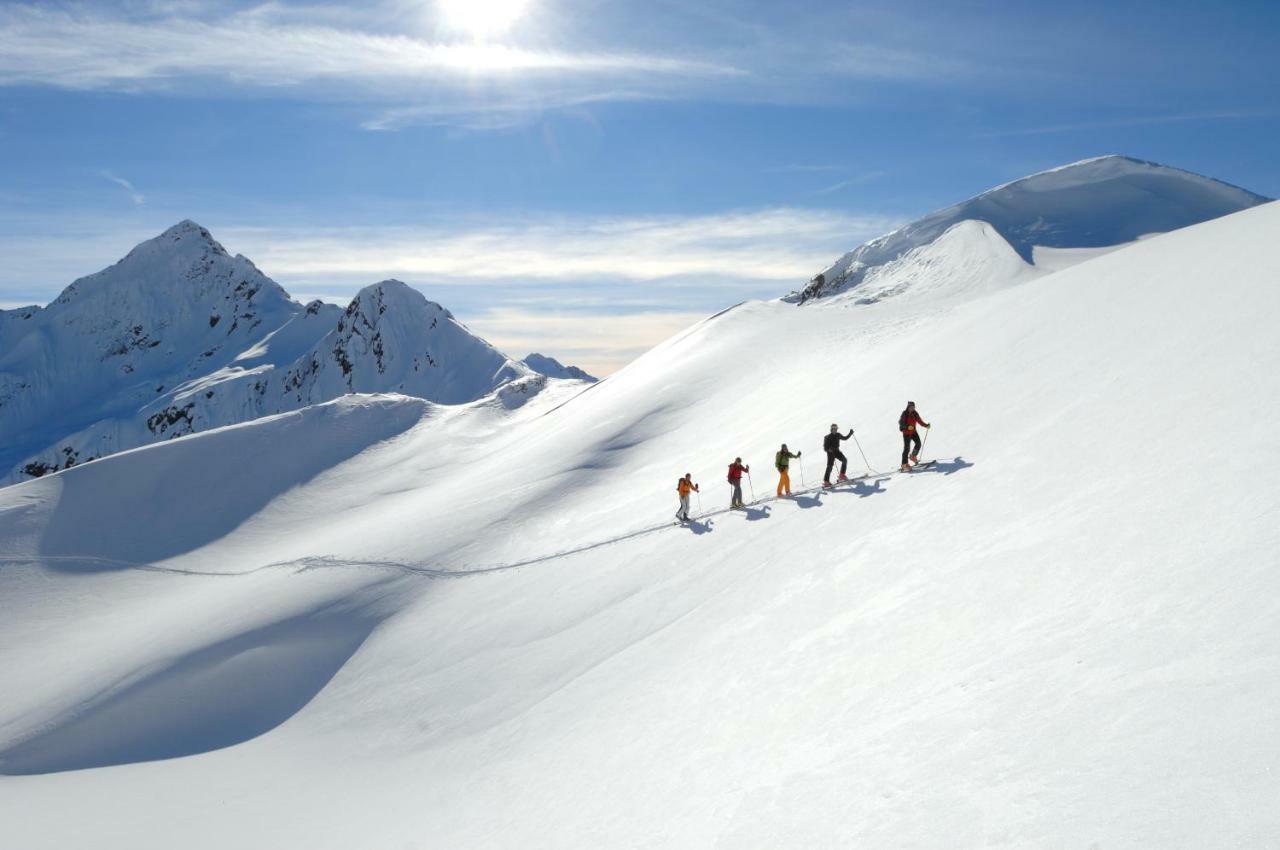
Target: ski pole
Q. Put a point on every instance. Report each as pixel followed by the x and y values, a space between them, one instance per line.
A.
pixel 864 454
pixel 752 486
pixel 926 439
pixel 699 492
pixel 803 486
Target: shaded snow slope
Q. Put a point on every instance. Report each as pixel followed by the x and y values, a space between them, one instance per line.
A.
pixel 179 337
pixel 1043 642
pixel 1095 203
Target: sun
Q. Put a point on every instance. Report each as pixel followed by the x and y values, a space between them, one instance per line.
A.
pixel 481 19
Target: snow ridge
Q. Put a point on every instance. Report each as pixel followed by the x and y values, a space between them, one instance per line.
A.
pixel 1094 203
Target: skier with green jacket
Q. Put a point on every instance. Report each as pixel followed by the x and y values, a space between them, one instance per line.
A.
pixel 782 462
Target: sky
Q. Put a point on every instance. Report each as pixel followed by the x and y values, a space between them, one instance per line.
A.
pixel 579 177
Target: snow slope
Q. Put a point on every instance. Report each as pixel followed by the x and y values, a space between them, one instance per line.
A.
pixel 1095 203
pixel 180 337
pixel 480 629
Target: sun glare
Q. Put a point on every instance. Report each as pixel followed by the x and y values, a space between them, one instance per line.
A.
pixel 481 18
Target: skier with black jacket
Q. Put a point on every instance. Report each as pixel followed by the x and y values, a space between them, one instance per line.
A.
pixel 831 445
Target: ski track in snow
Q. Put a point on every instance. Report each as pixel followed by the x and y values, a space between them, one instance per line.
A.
pixel 318 562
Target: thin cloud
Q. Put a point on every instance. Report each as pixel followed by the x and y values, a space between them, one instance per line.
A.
pixel 852 181
pixel 782 244
pixel 868 61
pixel 801 168
pixel 343 54
pixel 92 52
pixel 499 114
pixel 1138 121
pixel 134 194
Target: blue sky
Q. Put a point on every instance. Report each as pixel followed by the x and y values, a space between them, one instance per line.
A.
pixel 585 178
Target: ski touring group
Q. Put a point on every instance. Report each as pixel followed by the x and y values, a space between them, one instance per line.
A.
pixel 908 422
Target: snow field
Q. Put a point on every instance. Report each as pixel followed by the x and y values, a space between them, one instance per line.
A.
pixel 1063 637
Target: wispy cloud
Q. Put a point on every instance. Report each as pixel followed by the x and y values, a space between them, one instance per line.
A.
pixel 1135 121
pixel 357 54
pixel 782 244
pixel 134 194
pixel 262 48
pixel 803 168
pixel 847 183
pixel 870 61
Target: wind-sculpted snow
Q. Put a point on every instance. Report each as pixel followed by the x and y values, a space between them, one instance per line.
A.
pixel 1063 636
pixel 1095 203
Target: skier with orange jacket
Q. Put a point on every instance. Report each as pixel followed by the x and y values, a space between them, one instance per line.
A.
pixel 684 487
pixel 907 423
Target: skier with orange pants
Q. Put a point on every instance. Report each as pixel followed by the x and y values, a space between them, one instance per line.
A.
pixel 907 423
pixel 782 462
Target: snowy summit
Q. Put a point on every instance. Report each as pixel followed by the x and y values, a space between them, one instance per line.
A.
pixel 553 368
pixel 1095 203
pixel 180 336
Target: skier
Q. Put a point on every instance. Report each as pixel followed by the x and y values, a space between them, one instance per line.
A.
pixel 907 423
pixel 831 445
pixel 783 463
pixel 684 487
pixel 735 481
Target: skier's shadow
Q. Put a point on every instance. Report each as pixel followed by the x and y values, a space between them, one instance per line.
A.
pixel 753 514
pixel 699 526
pixel 861 488
pixel 808 501
pixel 949 467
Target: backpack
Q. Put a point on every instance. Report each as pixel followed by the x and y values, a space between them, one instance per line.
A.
pixel 902 421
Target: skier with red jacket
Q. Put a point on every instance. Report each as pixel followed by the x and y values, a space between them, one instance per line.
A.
pixel 735 481
pixel 907 423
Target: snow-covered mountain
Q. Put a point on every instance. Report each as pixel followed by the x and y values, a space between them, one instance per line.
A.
pixel 180 336
pixel 1095 203
pixel 553 368
pixel 382 621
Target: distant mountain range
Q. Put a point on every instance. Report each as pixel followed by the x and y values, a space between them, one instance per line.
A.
pixel 180 336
